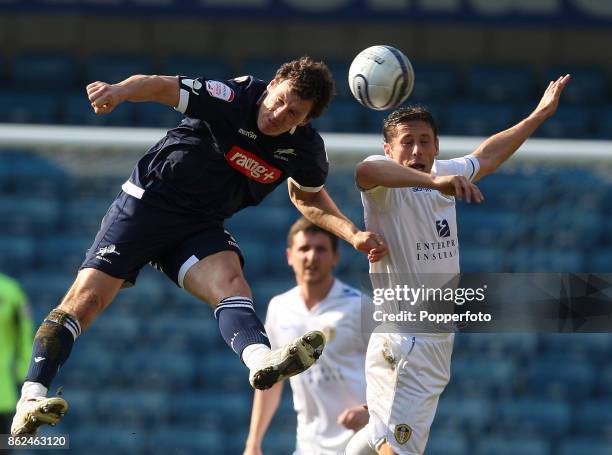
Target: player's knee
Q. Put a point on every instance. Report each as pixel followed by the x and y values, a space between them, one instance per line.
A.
pixel 233 283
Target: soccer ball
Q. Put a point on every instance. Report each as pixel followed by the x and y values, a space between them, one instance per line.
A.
pixel 381 77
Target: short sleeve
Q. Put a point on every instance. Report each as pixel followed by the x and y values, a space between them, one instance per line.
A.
pixel 467 166
pixel 379 196
pixel 203 98
pixel 312 172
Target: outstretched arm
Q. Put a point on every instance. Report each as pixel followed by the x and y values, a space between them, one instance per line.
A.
pixel 105 97
pixel 499 147
pixel 321 210
pixel 388 173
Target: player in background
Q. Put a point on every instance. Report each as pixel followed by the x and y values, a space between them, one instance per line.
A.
pixel 409 198
pixel 329 397
pixel 238 141
pixel 15 347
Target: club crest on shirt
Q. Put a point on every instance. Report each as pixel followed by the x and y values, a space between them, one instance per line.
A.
pixel 402 433
pixel 219 90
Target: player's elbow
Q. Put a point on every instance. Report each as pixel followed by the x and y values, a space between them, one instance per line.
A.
pixel 365 175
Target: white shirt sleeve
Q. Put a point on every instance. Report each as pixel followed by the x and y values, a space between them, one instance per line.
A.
pixel 467 166
pixel 379 196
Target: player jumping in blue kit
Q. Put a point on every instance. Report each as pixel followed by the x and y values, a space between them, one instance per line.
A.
pixel 239 140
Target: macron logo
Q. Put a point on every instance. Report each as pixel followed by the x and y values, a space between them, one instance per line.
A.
pixel 252 166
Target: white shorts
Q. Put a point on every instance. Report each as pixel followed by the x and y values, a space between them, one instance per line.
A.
pixel 405 374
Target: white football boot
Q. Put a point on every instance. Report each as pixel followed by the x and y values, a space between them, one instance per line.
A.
pixel 291 359
pixel 33 412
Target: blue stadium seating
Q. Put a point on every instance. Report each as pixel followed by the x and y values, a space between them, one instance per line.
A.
pixel 499 84
pixel 587 87
pixel 29 107
pixel 18 253
pixel 471 414
pixel 571 122
pixel 534 414
pixel 584 446
pixel 196 67
pixel 447 443
pixel 113 68
pixel 511 445
pixel 60 71
pixel 77 110
pixel 435 82
pixel 477 118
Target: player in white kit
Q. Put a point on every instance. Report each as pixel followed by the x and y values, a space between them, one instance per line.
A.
pixel 328 398
pixel 409 198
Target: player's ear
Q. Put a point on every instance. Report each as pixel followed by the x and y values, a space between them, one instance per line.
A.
pixel 437 143
pixel 387 149
pixel 289 259
pixel 273 83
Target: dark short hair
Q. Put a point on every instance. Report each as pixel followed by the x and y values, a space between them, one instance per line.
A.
pixel 305 225
pixel 310 80
pixel 405 115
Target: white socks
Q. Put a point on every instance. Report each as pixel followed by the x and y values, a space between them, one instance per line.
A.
pixel 252 354
pixel 33 389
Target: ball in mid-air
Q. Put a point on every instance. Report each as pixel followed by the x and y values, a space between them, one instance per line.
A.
pixel 381 77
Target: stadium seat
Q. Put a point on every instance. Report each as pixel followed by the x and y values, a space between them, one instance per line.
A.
pixel 533 414
pixel 28 215
pixel 571 122
pixel 58 71
pixel 512 445
pixel 83 216
pixel 45 290
pixel 263 69
pixel 593 418
pixel 184 439
pixel 339 70
pixel 200 66
pixel 497 344
pixel 575 381
pixel 603 123
pixel 481 259
pixel 447 443
pixel 63 253
pixel 112 438
pixel 478 119
pixel 41 107
pixel 342 116
pixel 77 110
pixel 484 227
pixel 435 83
pixel 31 174
pixel 588 85
pixel 156 115
pixel 491 374
pixel 113 68
pixel 499 84
pixel 467 413
pixel 18 253
pixel 584 446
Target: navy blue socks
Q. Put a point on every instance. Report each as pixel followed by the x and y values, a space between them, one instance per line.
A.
pixel 239 325
pixel 52 345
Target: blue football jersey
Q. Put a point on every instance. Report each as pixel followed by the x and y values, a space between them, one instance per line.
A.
pixel 216 161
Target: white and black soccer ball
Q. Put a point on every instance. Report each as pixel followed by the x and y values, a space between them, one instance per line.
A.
pixel 381 77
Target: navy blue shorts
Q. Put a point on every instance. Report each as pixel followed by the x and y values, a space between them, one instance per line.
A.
pixel 134 233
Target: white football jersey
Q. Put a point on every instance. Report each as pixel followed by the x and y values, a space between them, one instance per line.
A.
pixel 418 224
pixel 337 380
